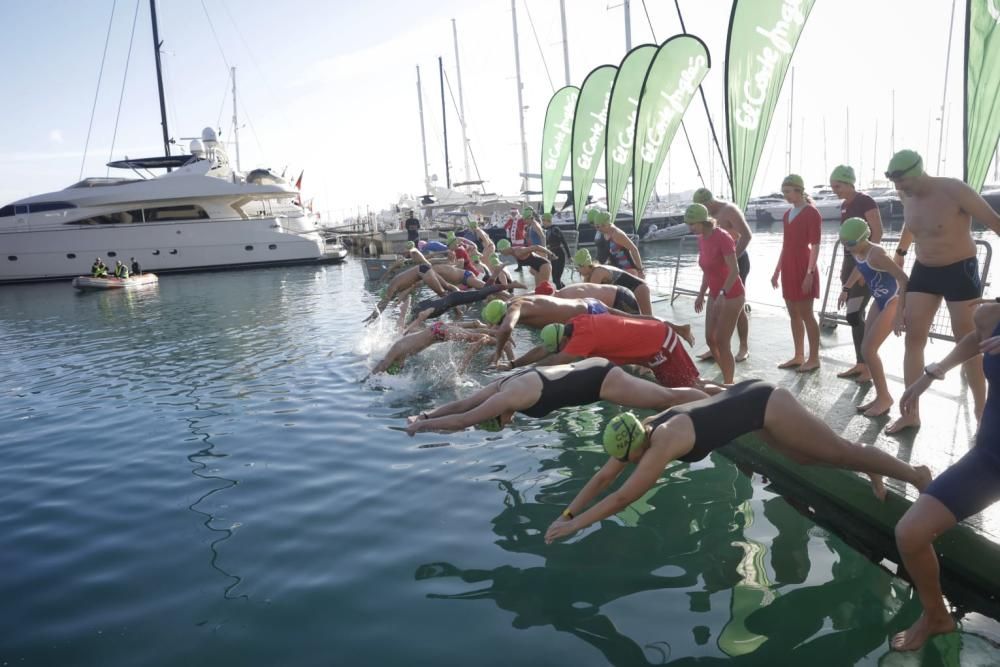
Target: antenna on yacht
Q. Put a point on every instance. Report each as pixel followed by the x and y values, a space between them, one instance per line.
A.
pixel 159 79
pixel 236 126
pixel 423 136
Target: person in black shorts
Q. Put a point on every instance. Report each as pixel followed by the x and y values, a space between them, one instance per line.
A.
pixel 556 243
pixel 690 431
pixel 536 392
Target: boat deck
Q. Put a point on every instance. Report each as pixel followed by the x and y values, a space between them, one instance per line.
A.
pixel 841 499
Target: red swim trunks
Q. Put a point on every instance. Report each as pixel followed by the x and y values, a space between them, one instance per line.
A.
pixel 672 365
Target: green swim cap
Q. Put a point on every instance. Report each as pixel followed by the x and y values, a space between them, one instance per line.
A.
pixel 450 236
pixel 905 163
pixel 552 335
pixel 494 311
pixel 854 229
pixel 475 257
pixel 546 216
pixel 591 215
pixel 410 245
pixel 384 292
pixel 622 433
pixel 843 173
pixel 494 260
pixel 527 211
pixel 394 368
pixel 695 213
pixel 702 196
pixel 583 258
pixel 503 244
pixel 602 218
pixel 795 181
pixel 473 224
pixel 491 425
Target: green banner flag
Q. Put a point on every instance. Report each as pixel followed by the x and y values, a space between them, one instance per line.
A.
pixel 677 70
pixel 759 48
pixel 589 125
pixel 982 88
pixel 555 142
pixel 622 110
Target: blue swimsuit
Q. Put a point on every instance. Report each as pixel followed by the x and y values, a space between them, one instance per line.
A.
pixel 883 286
pixel 973 484
pixel 595 307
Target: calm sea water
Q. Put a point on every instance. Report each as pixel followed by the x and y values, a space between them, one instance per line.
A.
pixel 194 475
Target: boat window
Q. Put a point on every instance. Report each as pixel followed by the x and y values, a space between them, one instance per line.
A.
pixel 166 213
pixel 272 247
pixel 20 209
pixel 70 255
pixel 7 211
pixel 264 177
pixel 156 252
pixel 12 258
pixel 112 253
pixel 248 247
pixel 174 251
pixel 50 206
pixel 121 217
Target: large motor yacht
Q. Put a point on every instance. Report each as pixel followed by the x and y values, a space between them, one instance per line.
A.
pixel 201 214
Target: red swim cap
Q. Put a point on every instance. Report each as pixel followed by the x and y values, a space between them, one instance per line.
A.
pixel 546 288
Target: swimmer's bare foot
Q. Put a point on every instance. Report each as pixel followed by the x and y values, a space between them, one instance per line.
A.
pixel 878 486
pixel 809 366
pixel 863 377
pixel 923 477
pixel 903 423
pixel 684 331
pixel 918 633
pixel 706 356
pixel 791 363
pixel 856 369
pixel 742 354
pixel 877 408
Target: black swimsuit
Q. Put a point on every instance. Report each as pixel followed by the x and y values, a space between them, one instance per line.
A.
pixel 724 417
pixel 581 385
pixel 623 278
pixel 535 262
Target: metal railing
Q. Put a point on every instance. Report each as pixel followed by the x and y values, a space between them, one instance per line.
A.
pixel 675 290
pixel 940 327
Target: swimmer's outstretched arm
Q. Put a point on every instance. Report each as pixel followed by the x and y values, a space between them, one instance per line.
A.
pixel 459 405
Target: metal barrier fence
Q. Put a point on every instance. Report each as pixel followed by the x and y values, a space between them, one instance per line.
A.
pixel 675 290
pixel 940 328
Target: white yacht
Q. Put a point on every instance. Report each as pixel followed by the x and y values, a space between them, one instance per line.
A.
pixel 201 215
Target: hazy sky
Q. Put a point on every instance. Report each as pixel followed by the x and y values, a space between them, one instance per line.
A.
pixel 329 87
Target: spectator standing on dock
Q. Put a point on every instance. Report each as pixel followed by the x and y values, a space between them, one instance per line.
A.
pixel 856 205
pixel 887 284
pixel 623 252
pixel 730 218
pixel 721 279
pixel 556 243
pixel 937 218
pixel 797 271
pixel 412 227
pixel 966 488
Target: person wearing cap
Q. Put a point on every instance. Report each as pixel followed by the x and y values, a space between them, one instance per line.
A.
pixel 602 274
pixel 121 271
pixel 536 311
pixel 963 490
pixel 474 333
pixel 643 341
pixel 730 218
pixel 535 257
pixel 886 282
pixel 937 218
pixel 536 235
pixel 797 271
pixel 136 268
pixel 408 279
pixel 459 252
pixel 98 268
pixel 721 280
pixel 601 243
pixel 623 252
pixel 412 227
pixel 556 243
pixel 517 232
pixel 689 432
pixel 536 392
pixel 856 205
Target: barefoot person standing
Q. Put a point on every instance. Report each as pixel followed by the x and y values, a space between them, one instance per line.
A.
pixel 937 218
pixel 797 271
pixel 856 205
pixel 730 218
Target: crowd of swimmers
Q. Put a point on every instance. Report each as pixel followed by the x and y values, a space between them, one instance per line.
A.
pixel 590 330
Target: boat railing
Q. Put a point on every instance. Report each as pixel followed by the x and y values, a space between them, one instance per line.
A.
pixel 940 327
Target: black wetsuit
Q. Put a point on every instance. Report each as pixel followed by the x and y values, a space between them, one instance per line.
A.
pixel 443 304
pixel 623 278
pixel 556 242
pixel 724 417
pixel 581 385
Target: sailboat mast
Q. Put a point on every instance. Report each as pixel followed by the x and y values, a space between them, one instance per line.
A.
pixel 461 102
pixel 423 136
pixel 236 125
pixel 159 79
pixel 444 121
pixel 628 27
pixel 520 100
pixel 562 15
pixel 791 98
pixel 944 95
